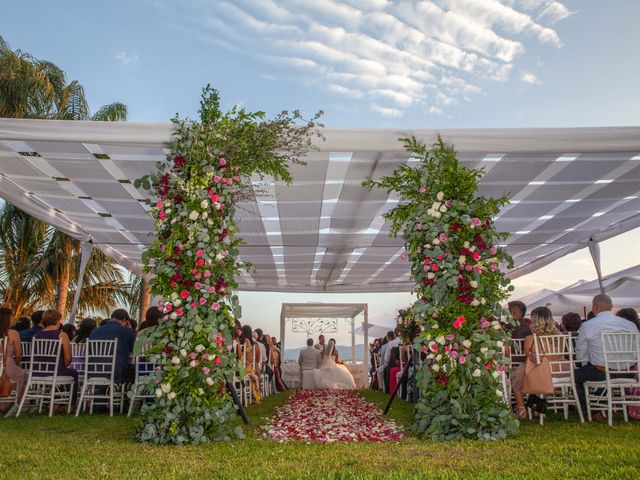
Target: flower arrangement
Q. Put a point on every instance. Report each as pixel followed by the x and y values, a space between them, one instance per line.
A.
pixel 194 261
pixel 455 256
pixel 407 324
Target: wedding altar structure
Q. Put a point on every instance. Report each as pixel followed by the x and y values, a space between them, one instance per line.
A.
pixel 314 319
pixel 569 188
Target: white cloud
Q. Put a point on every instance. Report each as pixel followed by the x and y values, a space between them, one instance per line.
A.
pixel 435 110
pixel 529 78
pixel 391 55
pixel 126 58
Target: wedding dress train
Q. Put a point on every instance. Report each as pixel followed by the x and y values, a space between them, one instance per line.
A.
pixel 332 376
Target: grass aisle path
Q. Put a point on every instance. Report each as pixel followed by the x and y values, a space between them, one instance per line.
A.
pixel 98 447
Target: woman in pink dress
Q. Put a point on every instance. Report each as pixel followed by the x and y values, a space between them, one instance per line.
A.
pixel 10 339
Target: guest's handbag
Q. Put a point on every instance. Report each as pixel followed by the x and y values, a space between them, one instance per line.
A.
pixel 537 377
pixel 6 387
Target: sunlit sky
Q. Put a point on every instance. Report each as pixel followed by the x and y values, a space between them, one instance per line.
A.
pixel 366 63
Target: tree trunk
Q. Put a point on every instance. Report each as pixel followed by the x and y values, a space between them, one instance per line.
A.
pixel 64 277
pixel 145 298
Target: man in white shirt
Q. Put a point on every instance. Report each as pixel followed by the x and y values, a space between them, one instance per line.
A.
pixel 589 345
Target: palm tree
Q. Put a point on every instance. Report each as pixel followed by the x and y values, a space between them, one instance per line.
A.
pixel 33 88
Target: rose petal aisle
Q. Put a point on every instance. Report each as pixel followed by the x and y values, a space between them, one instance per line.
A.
pixel 330 416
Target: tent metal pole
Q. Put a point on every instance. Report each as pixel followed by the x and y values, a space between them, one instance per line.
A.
pixel 353 339
pixel 365 347
pixel 282 332
pixel 84 259
pixel 594 250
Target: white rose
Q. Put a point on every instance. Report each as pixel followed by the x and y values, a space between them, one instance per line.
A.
pixel 437 214
pixel 476 373
pixel 217 205
pixel 177 302
pixel 435 241
pixel 173 316
pixel 204 203
pixel 500 343
pixel 183 353
pixel 484 350
pixel 428 246
pixel 435 326
pixel 194 215
pixel 440 196
pixel 435 368
pixel 209 381
pixel 498 393
pixel 200 391
pixel 473 284
pixel 219 257
pixel 466 343
pixel 173 220
pixel 199 348
pixel 436 205
pixel 441 340
pixel 175 360
pixel 193 363
pixel 204 215
pixel 168 211
pixel 472 249
pixel 475 303
pixel 496 325
pixel 431 275
pixel 466 245
pixel 430 356
pixel 171 395
pixel 443 208
pixel 462 260
pixel 483 300
pixel 158 392
pixel 209 222
pixel 438 357
pixel 495 374
pixel 166 387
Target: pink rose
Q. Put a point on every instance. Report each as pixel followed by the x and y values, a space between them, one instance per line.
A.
pixel 200 262
pixel 476 222
pixel 453 354
pixel 193 305
pixel 493 250
pixel 206 370
pixel 476 255
pixel 229 181
pixel 459 322
pixel 419 226
pixel 202 300
pixel 198 276
pixel 193 355
pixel 212 289
pixel 159 205
pixel 434 267
pixel 218 360
pixel 207 274
pixel 199 252
pixel 493 267
pixel 216 179
pixel 450 336
pixel 184 294
pixel 168 307
pixel 215 197
pixel 215 306
pixel 462 360
pixel 162 215
pixel 443 237
pixel 484 323
pixel 236 178
pixel 422 190
pixel 223 162
pixel 179 312
pixel 198 285
pixel 468 268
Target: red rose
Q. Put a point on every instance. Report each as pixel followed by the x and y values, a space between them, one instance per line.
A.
pixel 476 255
pixel 480 243
pixel 179 161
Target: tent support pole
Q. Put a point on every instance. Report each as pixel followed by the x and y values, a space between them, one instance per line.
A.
pixel 594 250
pixel 353 339
pixel 282 331
pixel 84 259
pixel 365 347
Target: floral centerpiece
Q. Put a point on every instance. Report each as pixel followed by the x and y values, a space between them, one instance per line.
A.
pixel 194 261
pixel 455 256
pixel 408 325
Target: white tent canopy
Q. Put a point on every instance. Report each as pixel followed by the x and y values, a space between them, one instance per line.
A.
pixel 325 232
pixel 623 287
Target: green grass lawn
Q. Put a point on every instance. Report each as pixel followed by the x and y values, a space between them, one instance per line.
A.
pixel 97 447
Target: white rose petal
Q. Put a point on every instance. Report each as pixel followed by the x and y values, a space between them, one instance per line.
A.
pixel 177 302
pixel 209 381
pixel 441 340
pixel 440 196
pixel 473 284
pixel 173 316
pixel 435 368
pixel 476 373
pixel 466 245
pixel 194 215
pixel 166 387
pixel 472 249
pixel 500 343
pixel 498 393
pixel 443 208
pixel 495 374
pixel 175 360
pixel 199 348
pixel 171 395
pixel 475 303
pixel 435 241
pixel 437 214
pixel 205 215
pixel 204 203
pixel 219 257
pixel 484 350
pixel 158 392
pixel 462 260
pixel 193 363
pixel 183 353
pixel 200 391
pixel 466 343
pixel 431 275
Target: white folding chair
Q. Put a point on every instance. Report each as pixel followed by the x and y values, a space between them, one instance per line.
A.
pixel 44 384
pixel 26 356
pixel 12 399
pixel 621 362
pixel 99 370
pixel 77 359
pixel 559 352
pixel 140 391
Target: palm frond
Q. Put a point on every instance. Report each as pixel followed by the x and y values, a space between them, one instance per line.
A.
pixel 113 112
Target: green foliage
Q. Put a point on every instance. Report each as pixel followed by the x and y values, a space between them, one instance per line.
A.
pixel 455 255
pixel 194 261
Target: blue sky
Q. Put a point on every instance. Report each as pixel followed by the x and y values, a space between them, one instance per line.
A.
pixel 366 63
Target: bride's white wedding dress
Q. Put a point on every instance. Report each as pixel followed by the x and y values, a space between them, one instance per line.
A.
pixel 332 376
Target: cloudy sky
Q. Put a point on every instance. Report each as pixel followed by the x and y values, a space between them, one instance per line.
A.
pixel 366 63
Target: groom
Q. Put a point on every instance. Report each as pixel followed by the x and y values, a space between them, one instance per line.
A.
pixel 309 359
pixel 320 345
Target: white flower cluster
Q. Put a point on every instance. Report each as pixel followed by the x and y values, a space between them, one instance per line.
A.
pixel 438 208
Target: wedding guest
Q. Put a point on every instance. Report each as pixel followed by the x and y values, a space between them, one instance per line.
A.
pixel 11 352
pixel 87 326
pixel 518 311
pixel 392 342
pixel 570 323
pixel 71 331
pixel 629 314
pixel 542 324
pixel 21 324
pixel 262 339
pixel 133 325
pixel 151 318
pixel 394 368
pixel 36 322
pixel 261 355
pixel 589 346
pixel 274 360
pixel 51 330
pixel 247 354
pixel 116 328
pixel 380 369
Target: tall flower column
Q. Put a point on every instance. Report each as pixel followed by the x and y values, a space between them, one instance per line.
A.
pixel 453 246
pixel 194 262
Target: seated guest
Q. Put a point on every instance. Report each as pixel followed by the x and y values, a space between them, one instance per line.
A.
pixel 151 318
pixel 394 368
pixel 392 342
pixel 542 324
pixel 36 321
pixel 518 311
pixel 116 328
pixel 51 331
pixel 71 331
pixel 87 326
pixel 629 314
pixel 22 324
pixel 249 355
pixel 10 345
pixel 570 323
pixel 589 346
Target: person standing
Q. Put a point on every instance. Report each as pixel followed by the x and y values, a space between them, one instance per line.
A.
pixel 320 346
pixel 589 345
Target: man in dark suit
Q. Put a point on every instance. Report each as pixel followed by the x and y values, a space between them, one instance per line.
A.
pixel 116 328
pixel 36 321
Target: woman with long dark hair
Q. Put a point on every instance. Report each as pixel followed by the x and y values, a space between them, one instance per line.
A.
pixel 11 351
pixel 247 355
pixel 87 326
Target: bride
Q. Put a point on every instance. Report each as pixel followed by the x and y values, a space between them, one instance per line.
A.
pixel 330 375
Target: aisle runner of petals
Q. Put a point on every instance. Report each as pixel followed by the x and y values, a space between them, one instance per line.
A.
pixel 330 416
